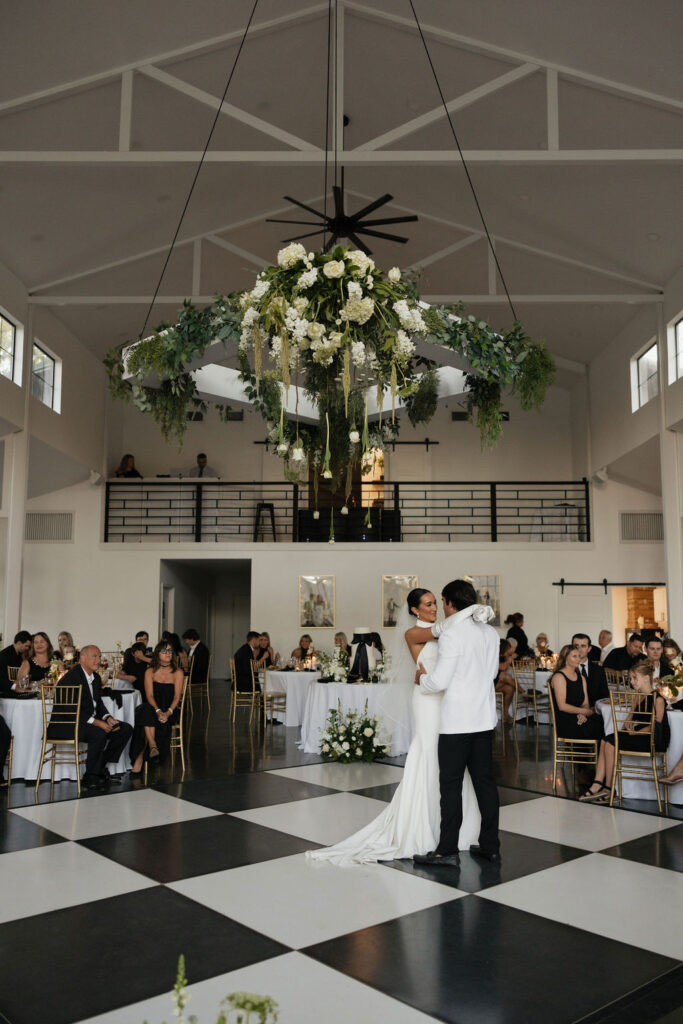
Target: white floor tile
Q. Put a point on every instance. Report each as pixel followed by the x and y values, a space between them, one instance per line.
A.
pixel 62 875
pixel 323 819
pixel 579 824
pixel 306 993
pixel 357 775
pixel 634 903
pixel 298 901
pixel 116 812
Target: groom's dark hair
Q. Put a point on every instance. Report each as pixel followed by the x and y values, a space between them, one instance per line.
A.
pixel 460 594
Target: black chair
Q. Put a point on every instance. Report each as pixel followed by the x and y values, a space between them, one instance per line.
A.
pixel 261 522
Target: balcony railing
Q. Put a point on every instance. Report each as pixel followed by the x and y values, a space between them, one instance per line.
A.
pixel 220 511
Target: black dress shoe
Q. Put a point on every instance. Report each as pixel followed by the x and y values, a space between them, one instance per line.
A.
pixel 92 782
pixel 493 858
pixel 434 859
pixel 109 779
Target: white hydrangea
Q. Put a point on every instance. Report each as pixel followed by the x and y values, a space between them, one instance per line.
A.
pixel 250 317
pixel 290 255
pixel 354 289
pixel 394 275
pixel 361 261
pixel 335 338
pixel 316 331
pixel 260 289
pixel 369 282
pixel 300 303
pixel 357 310
pixel 335 268
pixel 358 354
pixel 243 346
pixel 411 319
pixel 308 278
pixel 405 346
pixel 276 348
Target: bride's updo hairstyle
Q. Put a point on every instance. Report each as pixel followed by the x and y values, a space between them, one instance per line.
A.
pixel 413 599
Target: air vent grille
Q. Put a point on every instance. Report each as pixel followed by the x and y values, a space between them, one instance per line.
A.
pixel 641 526
pixel 55 527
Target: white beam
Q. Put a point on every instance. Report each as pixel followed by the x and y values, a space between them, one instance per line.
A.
pixel 126 112
pixel 542 299
pixel 477 46
pixel 192 49
pixel 459 103
pixel 426 261
pixel 237 251
pixel 350 158
pixel 553 109
pixel 229 109
pixel 338 72
pixel 116 300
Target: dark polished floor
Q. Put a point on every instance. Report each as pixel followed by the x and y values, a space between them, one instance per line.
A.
pixel 581 922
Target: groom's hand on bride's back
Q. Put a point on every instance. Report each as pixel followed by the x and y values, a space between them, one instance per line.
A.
pixel 421 671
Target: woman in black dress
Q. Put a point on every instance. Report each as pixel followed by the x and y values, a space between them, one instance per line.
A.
pixel 127 468
pixel 574 717
pixel 37 665
pixel 153 720
pixel 516 631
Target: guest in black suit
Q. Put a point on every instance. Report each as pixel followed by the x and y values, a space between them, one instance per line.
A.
pixel 105 735
pixel 5 740
pixel 654 649
pixel 622 658
pixel 13 657
pixel 591 671
pixel 199 656
pixel 516 631
pixel 243 658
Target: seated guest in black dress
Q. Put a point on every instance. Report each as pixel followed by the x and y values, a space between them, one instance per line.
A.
pixel 37 665
pixel 504 682
pixel 341 641
pixel 305 648
pixel 622 658
pixel 634 733
pixel 105 736
pixel 516 631
pixel 271 658
pixel 135 664
pixel 154 719
pixel 574 716
pixel 243 658
pixel 12 657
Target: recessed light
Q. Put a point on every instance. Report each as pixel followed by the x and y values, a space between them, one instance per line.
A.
pixel 653 236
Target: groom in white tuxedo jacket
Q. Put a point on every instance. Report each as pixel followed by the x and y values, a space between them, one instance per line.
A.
pixel 465 672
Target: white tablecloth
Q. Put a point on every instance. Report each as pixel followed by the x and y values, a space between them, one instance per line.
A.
pixel 25 720
pixel 641 789
pixel 296 685
pixel 324 696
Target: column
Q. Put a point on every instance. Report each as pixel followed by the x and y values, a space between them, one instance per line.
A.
pixel 671 453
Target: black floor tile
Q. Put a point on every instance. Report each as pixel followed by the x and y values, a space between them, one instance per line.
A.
pixel 662 849
pixel 515 796
pixel 385 792
pixel 73 964
pixel 472 961
pixel 185 849
pixel 16 833
pixel 660 1002
pixel 244 792
pixel 521 856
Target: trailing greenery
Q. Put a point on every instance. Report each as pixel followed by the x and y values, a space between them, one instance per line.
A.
pixel 485 397
pixel 536 375
pixel 236 1008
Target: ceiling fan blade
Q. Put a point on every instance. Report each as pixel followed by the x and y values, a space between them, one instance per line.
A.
pixel 360 243
pixel 386 198
pixel 384 234
pixel 385 220
pixel 304 207
pixel 333 240
pixel 338 201
pixel 296 238
pixel 281 220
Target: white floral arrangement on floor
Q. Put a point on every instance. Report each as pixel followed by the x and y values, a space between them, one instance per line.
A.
pixel 351 737
pixel 334 667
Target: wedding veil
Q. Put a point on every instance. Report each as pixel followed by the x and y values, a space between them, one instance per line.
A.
pixel 395 706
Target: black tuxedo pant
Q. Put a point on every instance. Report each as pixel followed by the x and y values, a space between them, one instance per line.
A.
pixel 458 751
pixel 5 740
pixel 103 747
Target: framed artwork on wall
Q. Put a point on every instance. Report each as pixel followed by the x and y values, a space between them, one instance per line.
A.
pixel 395 589
pixel 316 602
pixel 488 592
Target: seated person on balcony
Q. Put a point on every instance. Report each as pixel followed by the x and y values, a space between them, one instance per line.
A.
pixel 504 683
pixel 271 658
pixel 542 648
pixel 127 468
pixel 243 659
pixel 105 736
pixel 197 658
pixel 622 658
pixel 305 648
pixel 155 719
pixel 634 732
pixel 201 469
pixel 135 664
pixel 13 657
pixel 654 649
pixel 591 671
pixel 516 632
pixel 574 716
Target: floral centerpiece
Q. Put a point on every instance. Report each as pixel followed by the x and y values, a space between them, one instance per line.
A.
pixel 334 668
pixel 351 737
pixel 670 686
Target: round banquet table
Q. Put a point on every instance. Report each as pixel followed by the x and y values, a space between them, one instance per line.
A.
pixel 296 685
pixel 323 697
pixel 641 789
pixel 25 720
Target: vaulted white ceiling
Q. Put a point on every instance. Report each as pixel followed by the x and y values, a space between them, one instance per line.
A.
pixel 570 115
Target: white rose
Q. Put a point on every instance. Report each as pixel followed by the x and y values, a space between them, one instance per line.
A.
pixel 327 474
pixel 326 747
pixel 368 732
pixel 290 255
pixel 335 268
pixel 282 448
pixel 394 275
pixel 354 436
pixel 344 510
pixel 316 514
pixel 345 746
pixel 298 454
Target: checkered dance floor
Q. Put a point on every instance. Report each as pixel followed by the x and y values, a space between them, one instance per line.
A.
pixel 99 896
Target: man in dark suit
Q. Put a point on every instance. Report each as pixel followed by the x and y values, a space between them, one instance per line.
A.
pixel 591 671
pixel 653 649
pixel 243 658
pixel 12 657
pixel 199 656
pixel 622 658
pixel 105 735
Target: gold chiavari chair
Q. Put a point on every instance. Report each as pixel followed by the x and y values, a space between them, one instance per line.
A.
pixel 617 680
pixel 626 706
pixel 61 715
pixel 244 698
pixel 569 751
pixel 500 707
pixel 524 672
pixel 273 701
pixel 200 686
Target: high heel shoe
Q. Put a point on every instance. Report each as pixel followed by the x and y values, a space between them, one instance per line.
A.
pixel 154 754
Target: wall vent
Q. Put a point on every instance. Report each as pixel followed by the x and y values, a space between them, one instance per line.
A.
pixel 52 527
pixel 641 526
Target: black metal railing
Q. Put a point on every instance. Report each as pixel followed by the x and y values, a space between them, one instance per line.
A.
pixel 218 511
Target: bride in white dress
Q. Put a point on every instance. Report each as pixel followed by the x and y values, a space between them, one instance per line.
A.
pixel 411 822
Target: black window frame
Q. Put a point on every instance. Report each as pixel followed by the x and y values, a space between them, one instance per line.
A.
pixel 35 376
pixel 13 354
pixel 641 385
